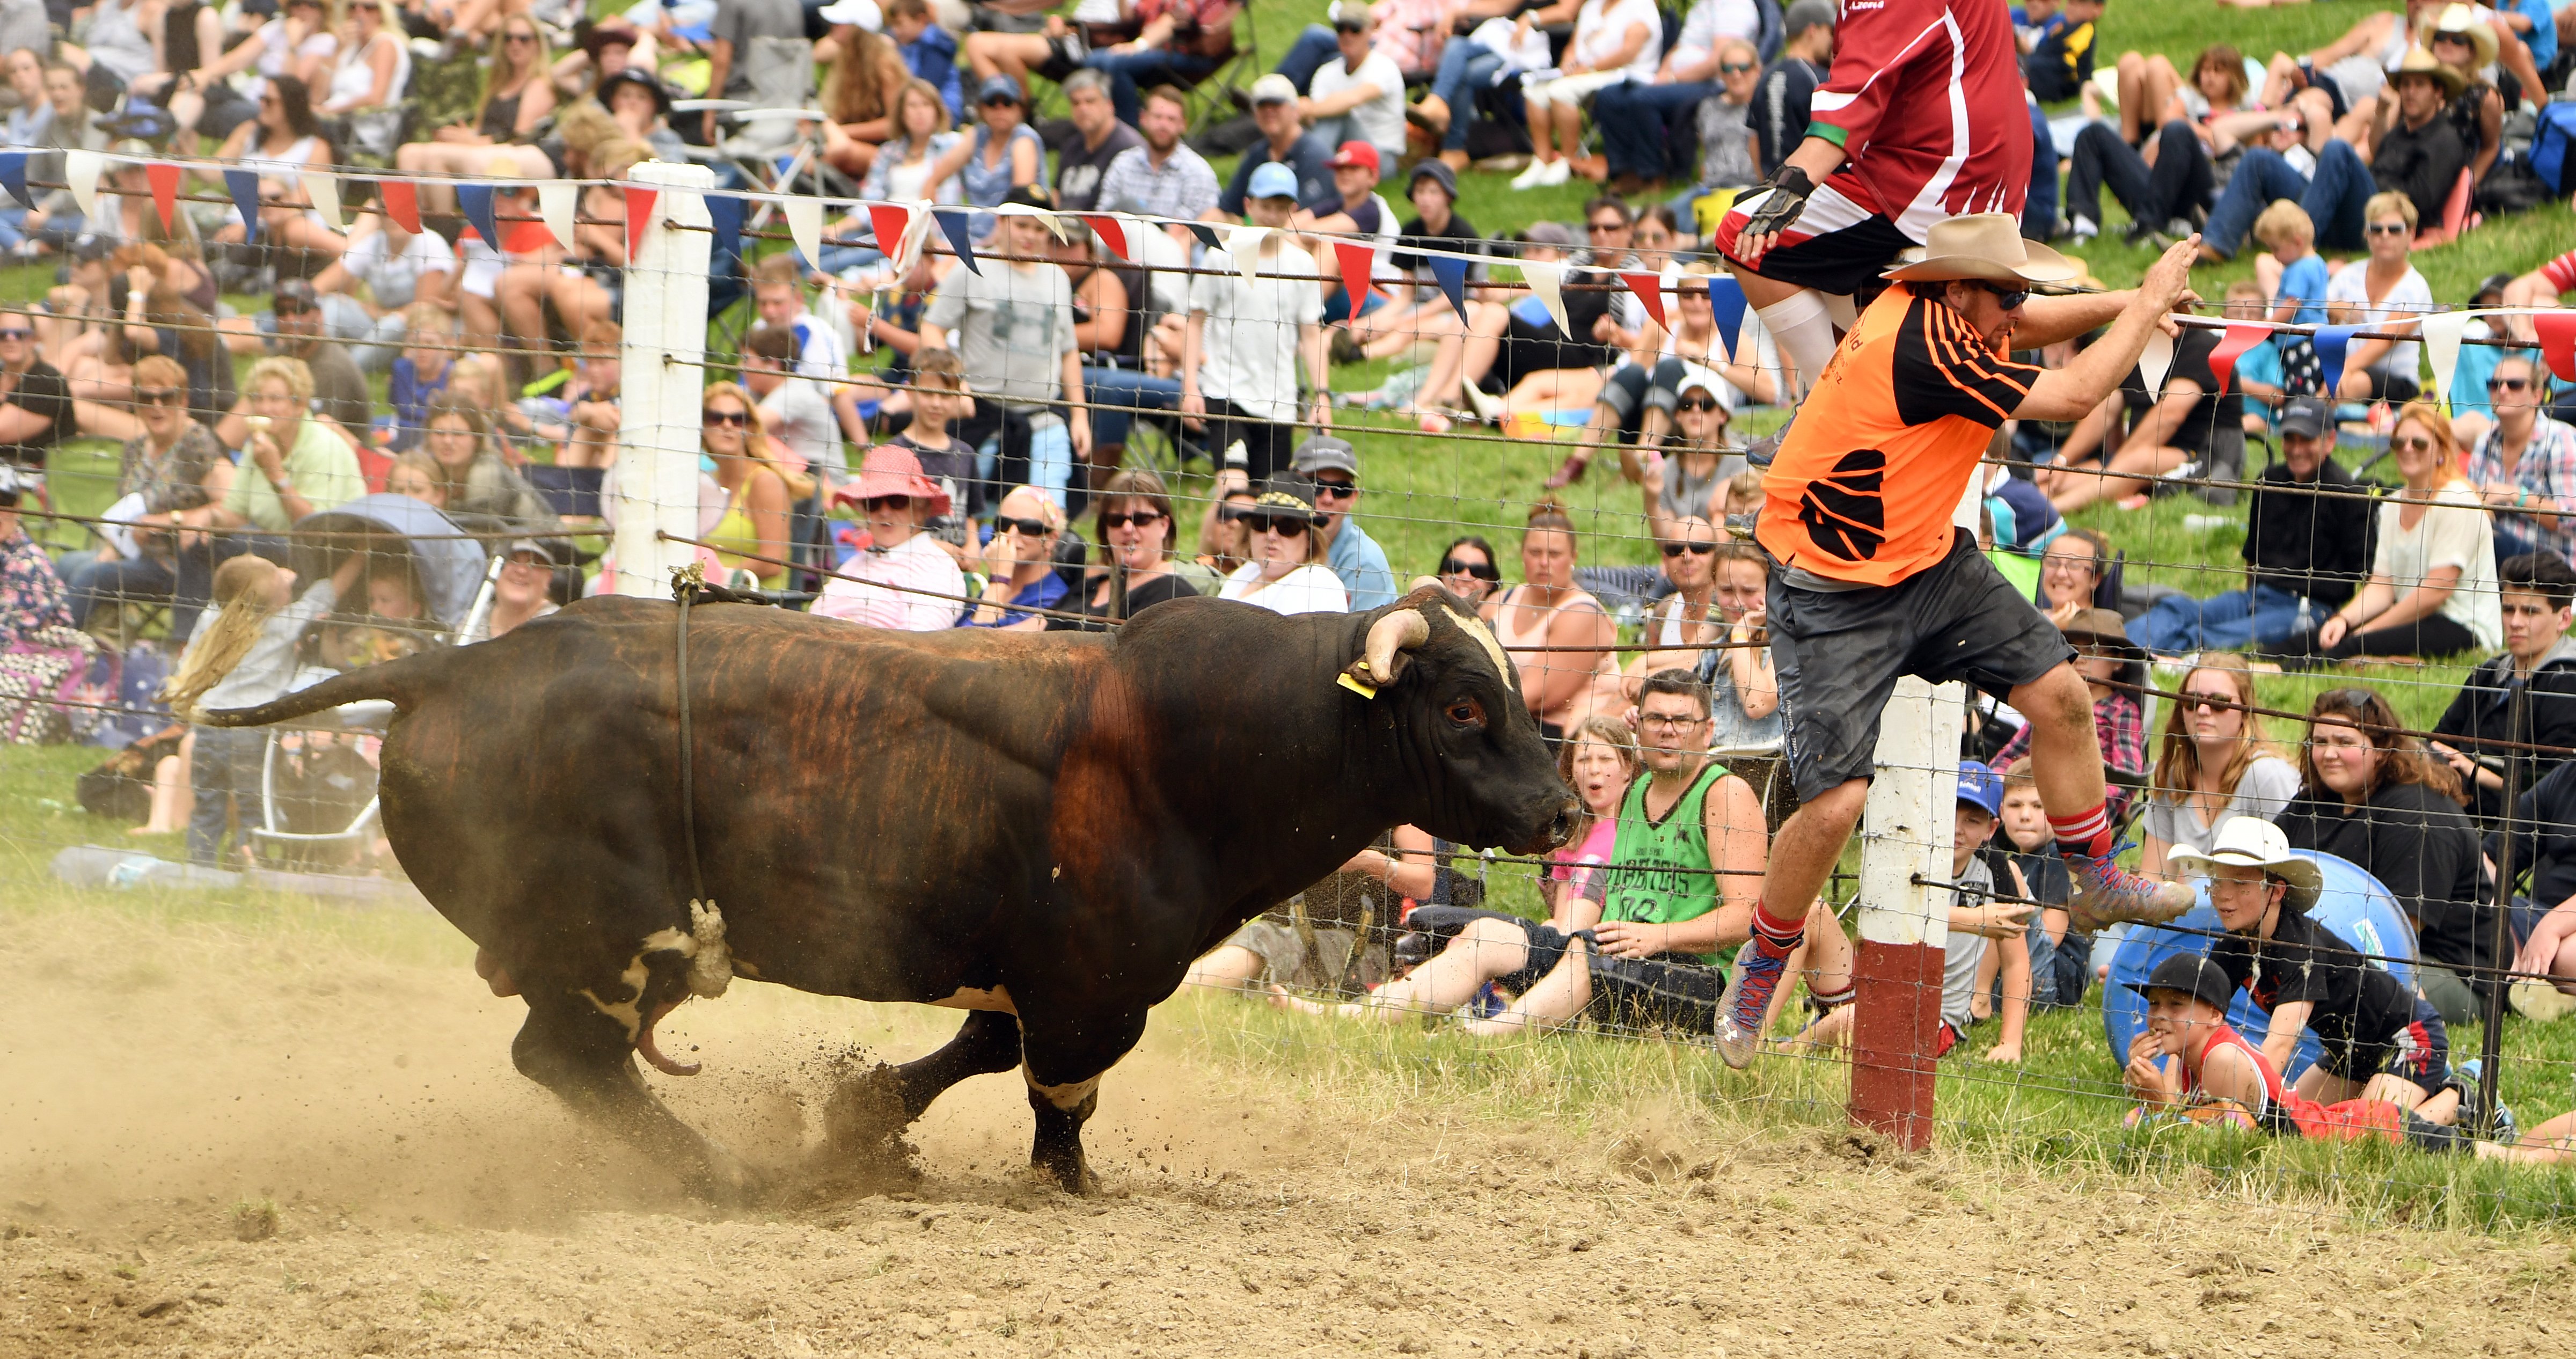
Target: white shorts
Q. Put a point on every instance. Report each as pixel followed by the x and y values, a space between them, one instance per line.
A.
pixel 1571 90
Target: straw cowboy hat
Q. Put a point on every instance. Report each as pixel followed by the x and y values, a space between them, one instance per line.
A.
pixel 2252 842
pixel 2419 61
pixel 2462 21
pixel 1981 245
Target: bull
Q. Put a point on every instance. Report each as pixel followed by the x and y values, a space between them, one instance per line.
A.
pixel 1041 829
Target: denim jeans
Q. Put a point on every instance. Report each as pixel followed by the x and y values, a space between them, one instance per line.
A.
pixel 1307 55
pixel 1636 123
pixel 1120 395
pixel 2264 617
pixel 2333 198
pixel 1128 71
pixel 224 771
pixel 1466 68
pixel 92 582
pixel 13 226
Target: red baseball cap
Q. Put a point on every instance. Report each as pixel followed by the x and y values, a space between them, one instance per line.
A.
pixel 1356 153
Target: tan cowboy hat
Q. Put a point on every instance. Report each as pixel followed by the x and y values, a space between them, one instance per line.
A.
pixel 2461 20
pixel 2252 842
pixel 2420 62
pixel 1981 245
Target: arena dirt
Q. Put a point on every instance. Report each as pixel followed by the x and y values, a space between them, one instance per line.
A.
pixel 218 1143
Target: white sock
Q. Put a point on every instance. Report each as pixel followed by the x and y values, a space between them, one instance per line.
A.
pixel 1804 330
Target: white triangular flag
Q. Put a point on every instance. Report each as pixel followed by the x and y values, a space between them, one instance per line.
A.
pixel 1547 280
pixel 1054 224
pixel 80 172
pixel 2442 332
pixel 1244 244
pixel 2156 362
pixel 323 188
pixel 558 201
pixel 805 224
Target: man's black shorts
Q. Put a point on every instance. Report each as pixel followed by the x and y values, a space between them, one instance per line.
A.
pixel 2420 1052
pixel 1838 654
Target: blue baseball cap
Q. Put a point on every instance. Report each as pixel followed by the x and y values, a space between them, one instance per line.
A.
pixel 1981 787
pixel 1270 179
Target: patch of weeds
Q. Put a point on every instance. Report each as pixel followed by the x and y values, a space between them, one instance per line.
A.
pixel 431 1300
pixel 255 1221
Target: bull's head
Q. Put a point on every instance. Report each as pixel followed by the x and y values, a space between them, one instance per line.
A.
pixel 1454 699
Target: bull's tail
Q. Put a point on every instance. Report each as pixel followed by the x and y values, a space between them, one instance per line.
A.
pixel 397 681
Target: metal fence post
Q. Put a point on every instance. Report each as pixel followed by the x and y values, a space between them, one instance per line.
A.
pixel 1906 832
pixel 654 486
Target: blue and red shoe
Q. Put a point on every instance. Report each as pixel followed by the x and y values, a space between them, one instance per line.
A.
pixel 1747 1000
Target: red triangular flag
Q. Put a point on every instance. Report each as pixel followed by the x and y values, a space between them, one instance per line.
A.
pixel 1649 289
pixel 2558 342
pixel 402 203
pixel 639 218
pixel 1111 234
pixel 1356 258
pixel 2231 347
pixel 165 189
pixel 891 221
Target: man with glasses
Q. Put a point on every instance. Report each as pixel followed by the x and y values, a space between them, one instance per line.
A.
pixel 35 403
pixel 2416 151
pixel 1359 94
pixel 2524 464
pixel 1354 556
pixel 1639 119
pixel 1877 581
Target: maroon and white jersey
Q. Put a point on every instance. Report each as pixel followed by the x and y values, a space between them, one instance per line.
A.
pixel 1925 98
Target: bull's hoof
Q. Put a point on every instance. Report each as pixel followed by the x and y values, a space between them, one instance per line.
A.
pixel 725 1182
pixel 1068 1173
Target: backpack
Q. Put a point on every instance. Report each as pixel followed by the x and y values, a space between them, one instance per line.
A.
pixel 2550 146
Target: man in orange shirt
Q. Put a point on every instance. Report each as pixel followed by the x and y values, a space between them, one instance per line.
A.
pixel 1875 581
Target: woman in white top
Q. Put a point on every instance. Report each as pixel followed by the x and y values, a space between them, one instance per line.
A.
pixel 368 77
pixel 2216 762
pixel 299 43
pixel 2380 292
pixel 283 139
pixel 902 168
pixel 1286 573
pixel 2432 586
pixel 1614 40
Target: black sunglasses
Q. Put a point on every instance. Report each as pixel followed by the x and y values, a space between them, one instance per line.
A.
pixel 1451 566
pixel 1736 67
pixel 1339 489
pixel 2007 298
pixel 726 417
pixel 887 502
pixel 1026 528
pixel 1138 519
pixel 2208 702
pixel 2385 228
pixel 1350 28
pixel 1696 404
pixel 1605 226
pixel 2505 384
pixel 16 333
pixel 1695 549
pixel 155 396
pixel 1285 525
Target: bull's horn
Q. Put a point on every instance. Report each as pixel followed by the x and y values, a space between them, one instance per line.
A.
pixel 1424 583
pixel 1397 632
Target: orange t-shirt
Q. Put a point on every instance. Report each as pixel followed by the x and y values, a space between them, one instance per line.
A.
pixel 1864 486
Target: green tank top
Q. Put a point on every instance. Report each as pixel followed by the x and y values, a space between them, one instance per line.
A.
pixel 1659 870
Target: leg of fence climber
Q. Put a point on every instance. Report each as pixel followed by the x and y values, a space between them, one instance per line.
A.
pixel 1905 837
pixel 654 486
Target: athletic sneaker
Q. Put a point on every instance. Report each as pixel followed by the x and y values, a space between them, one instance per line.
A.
pixel 2106 893
pixel 1746 1000
pixel 2499 1125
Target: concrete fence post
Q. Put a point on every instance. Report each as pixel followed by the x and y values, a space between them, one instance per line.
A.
pixel 654 486
pixel 1904 926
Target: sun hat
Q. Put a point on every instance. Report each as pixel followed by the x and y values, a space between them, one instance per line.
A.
pixel 2194 975
pixel 1274 88
pixel 2252 842
pixel 2103 628
pixel 1270 179
pixel 864 13
pixel 890 469
pixel 1981 245
pixel 1288 495
pixel 643 80
pixel 1356 153
pixel 607 33
pixel 1981 787
pixel 2459 21
pixel 2420 61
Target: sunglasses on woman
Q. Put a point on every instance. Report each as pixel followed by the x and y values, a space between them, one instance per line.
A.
pixel 2208 702
pixel 742 418
pixel 2418 444
pixel 1695 404
pixel 1285 525
pixel 1139 519
pixel 887 502
pixel 1026 528
pixel 1480 570
pixel 158 396
pixel 1695 549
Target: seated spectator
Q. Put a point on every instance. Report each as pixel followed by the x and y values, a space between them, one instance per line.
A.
pixel 1286 572
pixel 908 166
pixel 1565 685
pixel 2416 151
pixel 929 52
pixel 1421 310
pixel 938 398
pixel 2375 293
pixel 1180 41
pixel 1164 177
pixel 2544 865
pixel 2308 544
pixel 475 481
pixel 396 268
pixel 36 409
pixel 2432 588
pixel 1690 479
pixel 640 106
pixel 1099 137
pixel 778 293
pixel 364 91
pixel 2471 412
pixel 1715 43
pixel 2377 1040
pixel 2070 574
pixel 2114 672
pixel 606 48
pixel 432 333
pixel 896 498
pixel 518 96
pixel 1354 208
pixel 1497 48
pixel 1358 95
pixel 1225 528
pixel 2534 592
pixel 1018 564
pixel 521 594
pixel 1513 347
pixel 2468 47
pixel 2161 191
pixel 1136 571
pixel 293 466
pixel 1413 33
pixel 1334 469
pixel 339 389
pixel 791 408
pixel 2373 795
pixel 1744 693
pixel 1238 373
pixel 861 100
pixel 170 475
pixel 759 492
pixel 415 476
pixel 2188 429
pixel 2059 959
pixel 2524 464
pixel 1614 41
pixel 297 41
pixel 1679 630
pixel 2215 761
pixel 1048 46
pixel 1003 154
pixel 1467 569
pixel 32 596
pixel 2059 64
pixel 2294 288
pixel 1729 156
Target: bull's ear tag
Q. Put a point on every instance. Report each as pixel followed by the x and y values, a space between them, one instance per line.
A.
pixel 1363 690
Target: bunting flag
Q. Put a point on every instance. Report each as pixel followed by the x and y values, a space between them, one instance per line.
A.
pixel 80 175
pixel 13 177
pixel 559 203
pixel 2442 332
pixel 481 211
pixel 958 227
pixel 2558 341
pixel 891 221
pixel 2231 347
pixel 164 179
pixel 641 204
pixel 1649 289
pixel 1451 274
pixel 805 227
pixel 724 216
pixel 1546 280
pixel 1113 233
pixel 1244 245
pixel 1205 233
pixel 2330 342
pixel 1726 303
pixel 2156 361
pixel 1357 260
pixel 243 185
pixel 324 189
pixel 402 203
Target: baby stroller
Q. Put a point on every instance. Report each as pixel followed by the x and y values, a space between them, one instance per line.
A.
pixel 318 775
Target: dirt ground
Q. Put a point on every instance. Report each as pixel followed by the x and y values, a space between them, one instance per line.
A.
pixel 217 1141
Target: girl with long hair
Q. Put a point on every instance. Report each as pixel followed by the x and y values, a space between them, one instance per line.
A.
pixel 860 95
pixel 2214 761
pixel 759 488
pixel 518 100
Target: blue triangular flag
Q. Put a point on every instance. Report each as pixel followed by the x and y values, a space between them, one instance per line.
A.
pixel 724 212
pixel 243 185
pixel 13 177
pixel 476 201
pixel 1451 272
pixel 1205 233
pixel 956 226
pixel 1726 303
pixel 2330 343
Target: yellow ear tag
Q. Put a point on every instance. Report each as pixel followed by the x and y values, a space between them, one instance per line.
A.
pixel 1363 690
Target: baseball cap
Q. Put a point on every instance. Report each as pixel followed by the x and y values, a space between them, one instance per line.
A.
pixel 1000 87
pixel 2194 975
pixel 1431 169
pixel 1807 14
pixel 2493 283
pixel 1324 453
pixel 1356 153
pixel 2309 417
pixel 293 295
pixel 1554 234
pixel 1270 179
pixel 543 550
pixel 1348 14
pixel 1980 786
pixel 864 13
pixel 1029 196
pixel 1274 88
pixel 1696 377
